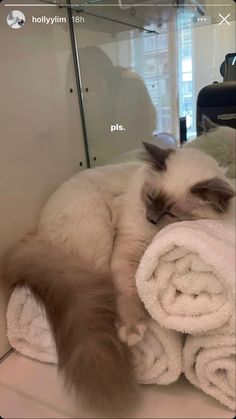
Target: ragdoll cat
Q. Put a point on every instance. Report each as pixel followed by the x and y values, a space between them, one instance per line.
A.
pixel 81 261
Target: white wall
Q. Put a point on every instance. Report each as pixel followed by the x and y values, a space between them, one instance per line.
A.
pixel 40 130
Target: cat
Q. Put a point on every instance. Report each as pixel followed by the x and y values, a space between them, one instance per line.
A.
pixel 81 261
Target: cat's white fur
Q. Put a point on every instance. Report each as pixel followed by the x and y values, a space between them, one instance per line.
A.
pixel 185 168
pixel 99 216
pixel 82 214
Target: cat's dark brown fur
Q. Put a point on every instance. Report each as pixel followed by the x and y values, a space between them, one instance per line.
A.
pixel 82 312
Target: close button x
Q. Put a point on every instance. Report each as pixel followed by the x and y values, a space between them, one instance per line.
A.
pixel 224 19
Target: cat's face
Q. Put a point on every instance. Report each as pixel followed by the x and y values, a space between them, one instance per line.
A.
pixel 183 185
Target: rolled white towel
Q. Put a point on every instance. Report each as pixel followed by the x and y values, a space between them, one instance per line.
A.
pixel 209 363
pixel 157 359
pixel 28 330
pixel 186 276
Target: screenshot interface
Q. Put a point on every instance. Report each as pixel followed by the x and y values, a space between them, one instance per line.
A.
pixel 82 84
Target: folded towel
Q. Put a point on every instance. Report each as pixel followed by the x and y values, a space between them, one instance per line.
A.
pixel 158 358
pixel 28 330
pixel 209 363
pixel 186 276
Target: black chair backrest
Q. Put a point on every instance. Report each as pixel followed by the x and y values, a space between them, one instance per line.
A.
pixel 218 102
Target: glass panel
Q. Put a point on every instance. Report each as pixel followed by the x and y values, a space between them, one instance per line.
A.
pixel 154 13
pixel 138 83
pixel 128 85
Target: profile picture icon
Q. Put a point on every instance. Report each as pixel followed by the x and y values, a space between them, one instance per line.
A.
pixel 16 19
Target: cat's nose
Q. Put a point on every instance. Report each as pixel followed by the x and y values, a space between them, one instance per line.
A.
pixel 152 217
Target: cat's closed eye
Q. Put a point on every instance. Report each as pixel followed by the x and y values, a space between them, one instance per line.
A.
pixel 169 214
pixel 149 198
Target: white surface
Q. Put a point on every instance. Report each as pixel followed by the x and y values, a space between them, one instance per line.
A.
pixel 30 389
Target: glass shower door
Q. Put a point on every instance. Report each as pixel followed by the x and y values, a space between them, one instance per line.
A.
pixel 128 86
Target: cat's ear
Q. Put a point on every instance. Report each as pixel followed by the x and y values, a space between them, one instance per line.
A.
pixel 157 156
pixel 215 192
pixel 207 124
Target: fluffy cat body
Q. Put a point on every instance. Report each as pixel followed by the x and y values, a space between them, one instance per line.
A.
pixel 83 215
pixel 85 253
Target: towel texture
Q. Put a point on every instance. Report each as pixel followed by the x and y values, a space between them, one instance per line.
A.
pixel 186 276
pixel 209 363
pixel 186 280
pixel 158 358
pixel 28 330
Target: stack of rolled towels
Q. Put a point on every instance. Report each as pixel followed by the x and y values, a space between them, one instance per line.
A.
pixel 186 280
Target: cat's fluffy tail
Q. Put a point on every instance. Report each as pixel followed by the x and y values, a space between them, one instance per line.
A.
pixel 81 309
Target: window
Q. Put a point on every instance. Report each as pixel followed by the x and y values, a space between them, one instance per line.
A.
pixel 149 43
pixel 186 97
pixel 151 59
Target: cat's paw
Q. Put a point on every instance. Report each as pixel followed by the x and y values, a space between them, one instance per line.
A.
pixel 133 319
pixel 132 333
